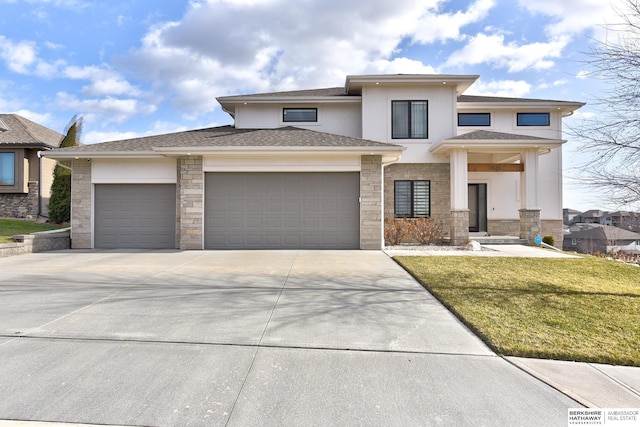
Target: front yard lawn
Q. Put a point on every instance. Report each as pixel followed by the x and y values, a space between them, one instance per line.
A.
pixel 11 227
pixel 585 309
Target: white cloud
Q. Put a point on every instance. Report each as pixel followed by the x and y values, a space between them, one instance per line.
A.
pixel 22 57
pixel 494 50
pixel 44 119
pixel 505 88
pixel 572 16
pixel 434 26
pixel 157 128
pixel 19 56
pixel 104 81
pixel 556 83
pixel 108 109
pixel 222 47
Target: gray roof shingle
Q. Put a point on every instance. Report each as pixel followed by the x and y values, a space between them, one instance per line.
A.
pixel 228 136
pixel 485 135
pixel 21 132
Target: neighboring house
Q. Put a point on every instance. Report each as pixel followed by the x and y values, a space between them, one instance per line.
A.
pixel 592 238
pixel 568 215
pixel 323 168
pixel 622 219
pixel 25 178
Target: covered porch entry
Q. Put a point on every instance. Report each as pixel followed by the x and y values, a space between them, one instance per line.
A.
pixel 480 154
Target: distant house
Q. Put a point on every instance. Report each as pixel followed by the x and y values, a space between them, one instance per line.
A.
pixel 568 215
pixel 592 238
pixel 622 219
pixel 25 177
pixel 324 168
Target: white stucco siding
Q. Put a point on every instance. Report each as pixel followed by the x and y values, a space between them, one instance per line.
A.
pixel 505 121
pixel 376 117
pixel 340 119
pixel 312 163
pixel 133 171
pixel 503 193
pixel 550 185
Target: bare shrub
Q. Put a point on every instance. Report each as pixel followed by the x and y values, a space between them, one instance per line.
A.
pixel 396 230
pixel 426 231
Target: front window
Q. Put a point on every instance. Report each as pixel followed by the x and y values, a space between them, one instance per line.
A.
pixel 474 119
pixel 7 169
pixel 409 120
pixel 412 199
pixel 299 114
pixel 533 119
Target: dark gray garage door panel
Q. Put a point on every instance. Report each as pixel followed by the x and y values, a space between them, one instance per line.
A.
pixel 135 216
pixel 282 210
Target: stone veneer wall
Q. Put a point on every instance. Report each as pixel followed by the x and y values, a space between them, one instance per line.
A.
pixel 530 225
pixel 39 242
pixel 81 227
pixel 21 205
pixel 190 203
pixel 553 227
pixel 371 202
pixel 503 227
pixel 511 227
pixel 440 177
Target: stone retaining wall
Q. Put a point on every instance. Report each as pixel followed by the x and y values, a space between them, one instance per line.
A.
pixel 32 243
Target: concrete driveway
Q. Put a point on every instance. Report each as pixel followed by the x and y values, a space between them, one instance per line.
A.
pixel 246 338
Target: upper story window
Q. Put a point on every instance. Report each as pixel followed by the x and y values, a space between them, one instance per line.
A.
pixel 7 169
pixel 409 120
pixel 474 119
pixel 299 114
pixel 533 119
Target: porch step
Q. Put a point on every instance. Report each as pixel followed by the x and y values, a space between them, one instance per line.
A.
pixel 499 240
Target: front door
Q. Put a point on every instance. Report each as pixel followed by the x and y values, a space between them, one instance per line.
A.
pixel 477 207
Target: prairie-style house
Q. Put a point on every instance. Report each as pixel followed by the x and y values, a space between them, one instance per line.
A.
pixel 323 168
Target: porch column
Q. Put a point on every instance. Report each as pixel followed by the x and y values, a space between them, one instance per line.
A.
pixel 530 224
pixel 459 197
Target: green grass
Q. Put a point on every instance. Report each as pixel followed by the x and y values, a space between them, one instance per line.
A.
pixel 11 227
pixel 585 309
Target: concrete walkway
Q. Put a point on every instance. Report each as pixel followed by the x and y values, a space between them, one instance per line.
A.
pixel 235 338
pixel 488 251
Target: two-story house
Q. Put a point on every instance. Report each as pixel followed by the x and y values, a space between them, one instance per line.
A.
pixel 323 168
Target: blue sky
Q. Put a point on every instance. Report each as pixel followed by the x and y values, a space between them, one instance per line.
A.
pixel 139 67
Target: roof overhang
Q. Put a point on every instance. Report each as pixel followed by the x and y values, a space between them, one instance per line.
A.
pixel 488 146
pixel 229 103
pixel 354 84
pixel 564 107
pixel 388 154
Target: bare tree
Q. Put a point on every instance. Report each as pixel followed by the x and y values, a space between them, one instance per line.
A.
pixel 613 137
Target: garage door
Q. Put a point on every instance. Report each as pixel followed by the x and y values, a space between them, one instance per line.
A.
pixel 282 210
pixel 135 216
